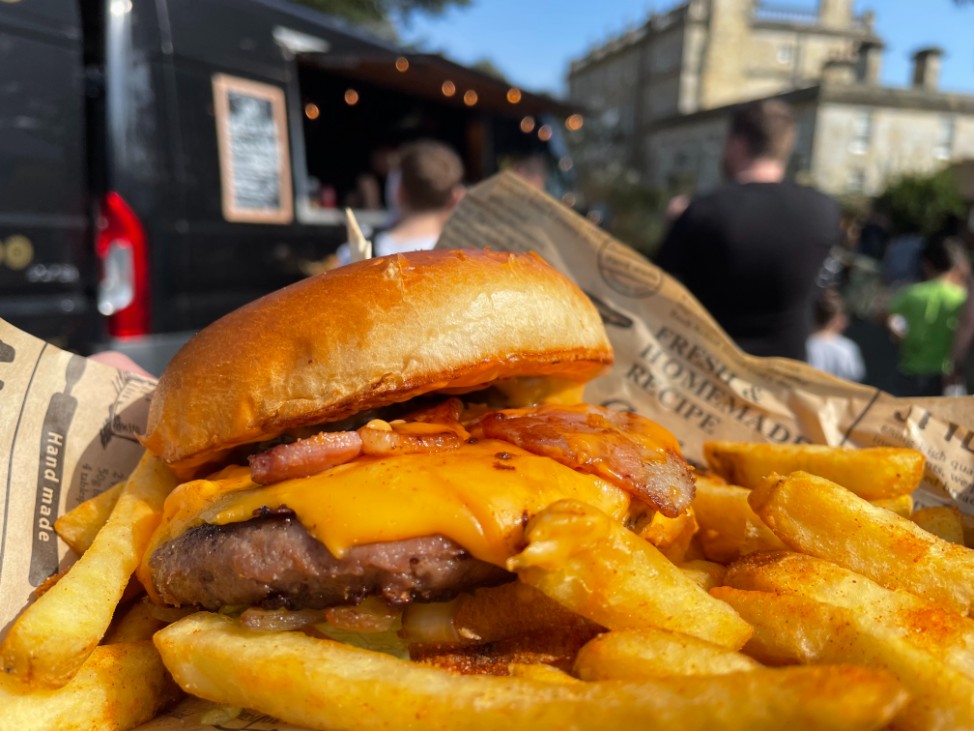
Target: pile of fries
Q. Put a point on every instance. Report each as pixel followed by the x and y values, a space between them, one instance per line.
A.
pixel 802 591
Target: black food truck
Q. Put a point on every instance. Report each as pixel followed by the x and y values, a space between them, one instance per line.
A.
pixel 162 162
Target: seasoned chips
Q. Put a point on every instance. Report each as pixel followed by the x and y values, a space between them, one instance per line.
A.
pixel 118 687
pixel 816 516
pixel 616 579
pixel 673 622
pixel 326 685
pixel 873 474
pixel 53 637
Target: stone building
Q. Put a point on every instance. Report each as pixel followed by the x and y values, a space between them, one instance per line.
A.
pixel 662 93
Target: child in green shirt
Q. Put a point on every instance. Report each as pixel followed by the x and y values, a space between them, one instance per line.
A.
pixel 924 317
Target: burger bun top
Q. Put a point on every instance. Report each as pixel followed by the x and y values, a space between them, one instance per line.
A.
pixel 373 333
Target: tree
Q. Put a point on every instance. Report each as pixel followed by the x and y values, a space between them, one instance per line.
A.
pixel 921 202
pixel 368 12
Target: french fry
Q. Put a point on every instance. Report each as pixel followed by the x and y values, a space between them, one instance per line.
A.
pixel 694 550
pixel 655 653
pixel 671 536
pixel 941 632
pixel 540 672
pixel 79 526
pixel 872 474
pixel 325 685
pixel 119 687
pixel 708 476
pixel 818 517
pixel 792 628
pixel 591 564
pixel 902 505
pixel 728 526
pixel 136 624
pixel 943 521
pixel 53 637
pixel 706 574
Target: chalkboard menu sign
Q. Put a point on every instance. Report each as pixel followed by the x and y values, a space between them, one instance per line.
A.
pixel 255 170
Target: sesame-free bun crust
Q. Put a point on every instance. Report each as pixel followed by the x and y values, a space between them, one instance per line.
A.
pixel 367 335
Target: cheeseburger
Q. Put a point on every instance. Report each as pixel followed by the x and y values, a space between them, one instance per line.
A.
pixel 386 430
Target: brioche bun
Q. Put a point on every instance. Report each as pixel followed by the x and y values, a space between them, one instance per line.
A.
pixel 374 333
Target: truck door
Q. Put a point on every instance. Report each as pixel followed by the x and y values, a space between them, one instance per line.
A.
pixel 46 267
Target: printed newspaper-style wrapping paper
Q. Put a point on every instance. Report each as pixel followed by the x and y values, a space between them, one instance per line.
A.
pixel 674 364
pixel 68 425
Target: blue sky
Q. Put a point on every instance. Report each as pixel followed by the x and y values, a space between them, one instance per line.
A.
pixel 532 41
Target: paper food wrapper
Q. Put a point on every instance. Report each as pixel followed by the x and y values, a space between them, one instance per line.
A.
pixel 68 425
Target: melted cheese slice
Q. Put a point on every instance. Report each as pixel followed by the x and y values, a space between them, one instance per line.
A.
pixel 479 495
pixel 538 390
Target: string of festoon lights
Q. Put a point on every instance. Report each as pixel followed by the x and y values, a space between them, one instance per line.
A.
pixel 470 97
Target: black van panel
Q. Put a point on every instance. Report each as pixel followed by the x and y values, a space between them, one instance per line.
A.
pixel 45 262
pixel 54 18
pixel 117 96
pixel 163 157
pixel 248 46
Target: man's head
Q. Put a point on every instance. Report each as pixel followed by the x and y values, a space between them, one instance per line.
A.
pixel 761 132
pixel 431 176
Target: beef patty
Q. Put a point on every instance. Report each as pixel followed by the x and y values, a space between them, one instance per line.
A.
pixel 272 561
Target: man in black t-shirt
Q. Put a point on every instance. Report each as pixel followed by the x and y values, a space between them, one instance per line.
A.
pixel 750 250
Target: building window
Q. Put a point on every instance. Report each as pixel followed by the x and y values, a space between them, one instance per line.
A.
pixel 862 132
pixel 945 138
pixel 665 57
pixel 857 181
pixel 786 54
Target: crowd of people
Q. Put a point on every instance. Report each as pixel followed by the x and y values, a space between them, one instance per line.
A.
pixel 756 253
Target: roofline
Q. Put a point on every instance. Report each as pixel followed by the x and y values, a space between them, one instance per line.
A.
pixel 838 93
pixel 791 96
pixel 860 34
pixel 898 97
pixel 338 25
pixel 332 23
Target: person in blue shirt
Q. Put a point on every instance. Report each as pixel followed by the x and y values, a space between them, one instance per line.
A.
pixel 828 349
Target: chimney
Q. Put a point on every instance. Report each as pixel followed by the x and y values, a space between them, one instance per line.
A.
pixel 835 13
pixel 839 71
pixel 926 68
pixel 868 59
